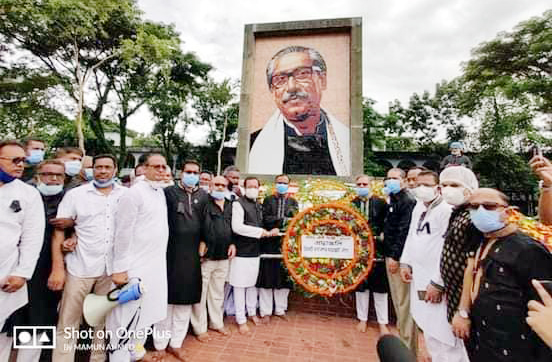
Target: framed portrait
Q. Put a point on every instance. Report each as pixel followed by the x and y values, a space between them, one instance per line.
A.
pixel 301 99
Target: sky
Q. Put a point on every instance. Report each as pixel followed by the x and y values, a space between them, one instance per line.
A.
pixel 408 45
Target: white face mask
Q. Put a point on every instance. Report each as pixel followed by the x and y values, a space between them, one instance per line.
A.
pixel 252 193
pixel 426 194
pixel 454 195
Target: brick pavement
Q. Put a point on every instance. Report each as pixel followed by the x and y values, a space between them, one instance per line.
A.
pixel 305 337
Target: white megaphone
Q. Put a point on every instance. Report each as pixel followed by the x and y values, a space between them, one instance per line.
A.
pixel 97 307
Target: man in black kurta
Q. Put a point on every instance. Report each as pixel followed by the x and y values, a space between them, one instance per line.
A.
pixel 374 210
pixel 185 206
pixel 505 265
pixel 273 280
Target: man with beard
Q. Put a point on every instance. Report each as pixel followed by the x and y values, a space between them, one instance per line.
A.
pixel 22 229
pixel 300 137
pixel 185 209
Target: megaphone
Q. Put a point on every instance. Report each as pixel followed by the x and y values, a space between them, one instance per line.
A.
pixel 97 307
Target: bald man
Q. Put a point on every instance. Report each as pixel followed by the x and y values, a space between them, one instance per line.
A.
pixel 216 250
pixel 505 264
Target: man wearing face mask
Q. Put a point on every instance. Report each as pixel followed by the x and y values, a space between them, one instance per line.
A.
pixel 373 210
pixel 43 302
pixel 456 158
pixel 34 149
pixel 220 248
pixel 247 222
pixel 72 158
pixel 22 229
pixel 397 220
pixel 420 267
pixel 273 281
pixel 185 209
pixel 505 265
pixel 140 251
pixel 461 241
pixel 88 268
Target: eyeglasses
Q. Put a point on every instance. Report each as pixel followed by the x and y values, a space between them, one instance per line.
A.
pixel 192 172
pixel 14 160
pixel 361 184
pixel 51 175
pixel 158 167
pixel 490 206
pixel 301 75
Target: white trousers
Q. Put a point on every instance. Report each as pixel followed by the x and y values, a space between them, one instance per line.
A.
pixel 121 323
pixel 213 274
pixel 133 351
pixel 175 327
pixel 280 297
pixel 442 352
pixel 380 302
pixel 245 298
pixel 5 346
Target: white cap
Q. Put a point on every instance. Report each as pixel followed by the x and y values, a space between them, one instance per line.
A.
pixel 461 175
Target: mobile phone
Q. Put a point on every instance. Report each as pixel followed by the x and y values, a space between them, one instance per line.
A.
pixel 536 150
pixel 547 284
pixel 421 294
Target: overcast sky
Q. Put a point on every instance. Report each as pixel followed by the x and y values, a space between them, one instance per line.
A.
pixel 408 45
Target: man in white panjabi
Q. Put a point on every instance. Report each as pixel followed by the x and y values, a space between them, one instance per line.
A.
pixel 244 268
pixel 22 229
pixel 92 206
pixel 300 137
pixel 420 266
pixel 139 251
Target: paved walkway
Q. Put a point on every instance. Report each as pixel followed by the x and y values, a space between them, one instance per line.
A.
pixel 305 337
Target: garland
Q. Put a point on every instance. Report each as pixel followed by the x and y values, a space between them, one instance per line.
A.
pixel 325 276
pixel 531 227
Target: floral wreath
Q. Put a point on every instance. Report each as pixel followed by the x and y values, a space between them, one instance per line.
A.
pixel 325 276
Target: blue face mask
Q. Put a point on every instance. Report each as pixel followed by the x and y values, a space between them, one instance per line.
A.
pixel 190 179
pixel 486 220
pixel 218 195
pixel 36 156
pixel 72 167
pixel 49 190
pixel 362 191
pixel 282 188
pixel 103 184
pixel 392 187
pixel 6 177
pixel 89 174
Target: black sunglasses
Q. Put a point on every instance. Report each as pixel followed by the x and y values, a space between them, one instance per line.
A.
pixel 489 206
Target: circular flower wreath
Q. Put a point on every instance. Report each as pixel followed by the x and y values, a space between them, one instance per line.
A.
pixel 325 276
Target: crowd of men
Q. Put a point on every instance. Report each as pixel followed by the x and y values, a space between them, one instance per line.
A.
pixel 457 269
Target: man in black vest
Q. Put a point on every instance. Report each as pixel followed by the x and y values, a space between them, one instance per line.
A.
pixel 247 221
pixel 273 281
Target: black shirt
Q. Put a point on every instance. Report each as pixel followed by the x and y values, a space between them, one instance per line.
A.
pixel 397 222
pixel 218 229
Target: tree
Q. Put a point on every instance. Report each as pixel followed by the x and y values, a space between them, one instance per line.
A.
pixel 517 65
pixel 73 39
pixel 217 108
pixel 180 79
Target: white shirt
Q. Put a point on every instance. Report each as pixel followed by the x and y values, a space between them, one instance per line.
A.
pixel 140 249
pixel 21 236
pixel 422 251
pixel 94 215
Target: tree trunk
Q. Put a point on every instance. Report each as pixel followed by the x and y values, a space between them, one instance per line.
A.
pixel 219 154
pixel 122 140
pixel 79 120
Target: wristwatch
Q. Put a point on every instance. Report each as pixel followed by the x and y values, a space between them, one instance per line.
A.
pixel 463 313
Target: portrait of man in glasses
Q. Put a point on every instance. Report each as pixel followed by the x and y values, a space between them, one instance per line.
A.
pixel 300 137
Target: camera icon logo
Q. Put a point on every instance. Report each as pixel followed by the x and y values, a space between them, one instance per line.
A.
pixel 42 337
